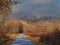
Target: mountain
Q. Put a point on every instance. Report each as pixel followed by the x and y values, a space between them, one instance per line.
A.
pixel 30 11
pixel 35 19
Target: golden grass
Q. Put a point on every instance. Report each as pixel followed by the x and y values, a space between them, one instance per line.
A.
pixel 35 30
pixel 12 36
pixel 34 40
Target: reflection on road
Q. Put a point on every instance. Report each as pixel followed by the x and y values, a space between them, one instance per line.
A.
pixel 22 40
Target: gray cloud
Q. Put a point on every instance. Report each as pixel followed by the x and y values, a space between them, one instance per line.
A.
pixel 38 7
pixel 43 1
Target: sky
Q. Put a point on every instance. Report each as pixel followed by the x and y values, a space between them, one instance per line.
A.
pixel 25 0
pixel 37 7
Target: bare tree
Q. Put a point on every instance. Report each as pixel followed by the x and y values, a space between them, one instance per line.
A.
pixel 5 10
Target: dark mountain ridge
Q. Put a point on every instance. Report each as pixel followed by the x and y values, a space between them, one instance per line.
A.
pixel 35 19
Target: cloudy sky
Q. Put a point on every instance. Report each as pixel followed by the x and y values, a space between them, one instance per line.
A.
pixel 37 7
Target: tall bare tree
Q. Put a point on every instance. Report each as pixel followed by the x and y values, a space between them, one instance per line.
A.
pixel 5 10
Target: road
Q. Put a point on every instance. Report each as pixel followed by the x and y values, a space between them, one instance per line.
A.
pixel 22 40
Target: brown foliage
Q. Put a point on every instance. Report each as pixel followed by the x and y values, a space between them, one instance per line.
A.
pixel 55 39
pixel 51 39
pixel 41 28
pixel 5 7
pixel 12 25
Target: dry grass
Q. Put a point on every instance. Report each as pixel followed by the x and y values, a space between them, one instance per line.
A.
pixel 35 30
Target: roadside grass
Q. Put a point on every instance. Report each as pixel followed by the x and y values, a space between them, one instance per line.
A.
pixel 35 41
pixel 7 40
